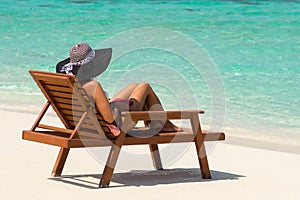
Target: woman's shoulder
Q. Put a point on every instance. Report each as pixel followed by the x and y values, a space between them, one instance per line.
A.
pixel 89 83
pixel 93 84
pixel 90 87
pixel 93 88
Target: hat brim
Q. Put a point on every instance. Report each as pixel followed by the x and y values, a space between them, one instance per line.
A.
pixel 92 69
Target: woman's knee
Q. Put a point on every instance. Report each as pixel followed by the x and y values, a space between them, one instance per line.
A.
pixel 134 84
pixel 144 85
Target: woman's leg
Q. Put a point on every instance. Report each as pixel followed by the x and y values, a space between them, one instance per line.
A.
pixel 144 98
pixel 126 92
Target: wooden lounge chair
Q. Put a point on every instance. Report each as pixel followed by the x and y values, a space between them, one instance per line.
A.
pixel 85 127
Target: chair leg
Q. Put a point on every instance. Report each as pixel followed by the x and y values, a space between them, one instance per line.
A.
pixel 199 142
pixel 112 160
pixel 110 166
pixel 202 157
pixel 60 161
pixel 155 156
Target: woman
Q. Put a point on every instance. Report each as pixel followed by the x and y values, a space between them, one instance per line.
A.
pixel 86 63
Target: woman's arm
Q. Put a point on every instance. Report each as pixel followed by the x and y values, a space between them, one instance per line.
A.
pixel 94 90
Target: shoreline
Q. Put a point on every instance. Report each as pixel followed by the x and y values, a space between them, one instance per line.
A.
pixel 265 145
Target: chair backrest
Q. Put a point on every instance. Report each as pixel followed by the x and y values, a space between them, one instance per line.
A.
pixel 70 102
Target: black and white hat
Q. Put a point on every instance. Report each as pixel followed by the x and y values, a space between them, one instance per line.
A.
pixel 84 62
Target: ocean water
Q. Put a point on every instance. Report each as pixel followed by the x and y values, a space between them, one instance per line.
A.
pixel 254 47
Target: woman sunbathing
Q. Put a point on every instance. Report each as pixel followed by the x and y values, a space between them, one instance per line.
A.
pixel 86 63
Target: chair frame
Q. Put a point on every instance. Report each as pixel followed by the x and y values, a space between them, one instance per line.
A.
pixel 73 136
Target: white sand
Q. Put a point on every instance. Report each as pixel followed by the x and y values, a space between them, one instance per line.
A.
pixel 238 172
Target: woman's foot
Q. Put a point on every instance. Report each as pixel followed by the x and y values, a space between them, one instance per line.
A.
pixel 170 127
pixel 162 127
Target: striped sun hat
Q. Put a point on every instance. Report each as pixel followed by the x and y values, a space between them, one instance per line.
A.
pixel 84 62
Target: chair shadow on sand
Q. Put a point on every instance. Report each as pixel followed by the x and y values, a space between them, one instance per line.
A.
pixel 147 178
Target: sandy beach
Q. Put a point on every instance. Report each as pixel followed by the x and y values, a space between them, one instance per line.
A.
pixel 238 172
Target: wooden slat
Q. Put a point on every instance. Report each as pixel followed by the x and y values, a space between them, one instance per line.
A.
pixel 214 136
pixel 72 113
pixel 76 118
pixel 79 143
pixel 70 98
pixel 50 139
pixel 51 75
pixel 78 113
pixel 172 138
pixel 62 94
pixel 58 138
pixel 75 143
pixel 52 79
pixel 89 125
pixel 161 115
pixel 69 107
pixel 74 102
pixel 56 81
pixel 92 134
pixel 160 139
pixel 54 133
pixel 93 127
pixel 84 125
pixel 44 73
pixel 59 88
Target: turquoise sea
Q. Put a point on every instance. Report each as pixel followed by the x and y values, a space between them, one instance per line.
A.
pixel 254 47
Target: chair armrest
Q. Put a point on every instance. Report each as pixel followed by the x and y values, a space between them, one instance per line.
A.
pixel 161 115
pixel 54 128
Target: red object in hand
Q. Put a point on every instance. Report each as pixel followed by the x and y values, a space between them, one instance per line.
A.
pixel 114 129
